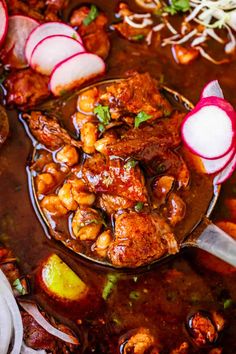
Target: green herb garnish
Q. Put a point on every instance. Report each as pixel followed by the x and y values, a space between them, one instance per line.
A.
pixel 138 37
pixel 2 78
pixel 177 6
pixel 138 207
pixel 141 117
pixel 134 295
pixel 111 282
pixel 104 116
pixel 19 287
pixel 92 15
pixel 74 36
pixel 130 164
pixel 228 303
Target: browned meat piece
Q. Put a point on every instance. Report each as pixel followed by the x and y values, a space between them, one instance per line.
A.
pixel 32 8
pixel 125 29
pixel 140 238
pixel 48 131
pixel 182 349
pixel 53 7
pixel 94 34
pixel 36 337
pixel 175 209
pixel 112 203
pixel 26 88
pixel 110 176
pixel 141 342
pixel 203 328
pixel 4 125
pixel 184 55
pixel 161 188
pixel 138 93
pixel 165 133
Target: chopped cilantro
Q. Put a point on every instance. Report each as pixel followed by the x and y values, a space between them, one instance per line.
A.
pixel 138 37
pixel 138 207
pixel 111 282
pixel 130 164
pixel 228 303
pixel 116 321
pixel 63 92
pixel 74 36
pixel 104 117
pixel 134 295
pixel 19 287
pixel 141 117
pixel 167 113
pixel 2 78
pixel 177 6
pixel 160 168
pixel 92 15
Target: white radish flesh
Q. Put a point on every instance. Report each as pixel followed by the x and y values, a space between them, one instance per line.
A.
pixel 75 71
pixel 226 172
pixel 51 51
pixel 212 89
pixel 18 31
pixel 216 165
pixel 209 130
pixel 46 30
pixel 5 326
pixel 3 21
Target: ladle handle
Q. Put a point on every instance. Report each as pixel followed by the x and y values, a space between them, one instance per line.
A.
pixel 217 242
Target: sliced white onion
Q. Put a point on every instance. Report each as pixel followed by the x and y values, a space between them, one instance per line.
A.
pixel 158 27
pixel 146 21
pixel 211 33
pixel 15 314
pixel 231 45
pixel 149 37
pixel 27 350
pixel 5 325
pixel 198 40
pixel 205 55
pixel 33 310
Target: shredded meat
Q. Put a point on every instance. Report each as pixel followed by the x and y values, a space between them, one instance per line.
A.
pixel 26 88
pixel 165 133
pixel 203 329
pixel 36 337
pixel 110 176
pixel 112 203
pixel 138 93
pixel 140 238
pixel 94 35
pixel 161 188
pixel 48 131
pixel 4 125
pixel 175 209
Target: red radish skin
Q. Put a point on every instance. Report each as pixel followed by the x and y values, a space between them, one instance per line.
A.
pixel 18 31
pixel 217 165
pixel 193 137
pixel 74 71
pixel 212 89
pixel 3 21
pixel 227 172
pixel 46 30
pixel 48 52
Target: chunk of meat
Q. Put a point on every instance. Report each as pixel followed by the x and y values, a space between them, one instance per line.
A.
pixel 161 188
pixel 164 133
pixel 138 93
pixel 182 349
pixel 202 328
pixel 141 342
pixel 110 176
pixel 175 209
pixel 26 88
pixel 184 55
pixel 127 31
pixel 4 125
pixel 53 9
pixel 112 203
pixel 140 238
pixel 94 35
pixel 36 337
pixel 48 131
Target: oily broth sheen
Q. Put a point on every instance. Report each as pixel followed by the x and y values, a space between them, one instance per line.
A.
pixel 165 300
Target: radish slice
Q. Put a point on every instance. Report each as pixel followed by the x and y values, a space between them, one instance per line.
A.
pixel 46 30
pixel 212 89
pixel 217 165
pixel 74 71
pixel 18 31
pixel 209 129
pixel 48 52
pixel 3 21
pixel 226 172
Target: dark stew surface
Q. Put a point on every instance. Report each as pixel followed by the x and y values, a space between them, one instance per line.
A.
pixel 175 307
